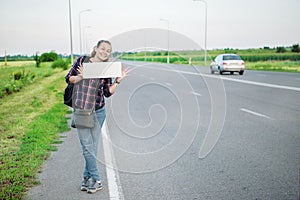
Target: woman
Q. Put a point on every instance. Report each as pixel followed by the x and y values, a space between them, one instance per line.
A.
pixel 86 96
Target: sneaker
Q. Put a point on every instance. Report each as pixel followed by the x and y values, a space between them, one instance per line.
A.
pixel 85 184
pixel 94 186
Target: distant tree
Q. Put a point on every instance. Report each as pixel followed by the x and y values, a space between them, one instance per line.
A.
pixel 37 60
pixel 48 57
pixel 266 48
pixel 280 50
pixel 296 48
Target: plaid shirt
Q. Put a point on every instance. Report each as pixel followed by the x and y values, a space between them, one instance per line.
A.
pixel 85 92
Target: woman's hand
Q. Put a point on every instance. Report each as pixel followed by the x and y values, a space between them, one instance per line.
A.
pixel 78 77
pixel 113 87
pixel 79 70
pixel 124 74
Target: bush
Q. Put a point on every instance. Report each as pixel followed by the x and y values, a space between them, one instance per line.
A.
pixel 296 48
pixel 48 57
pixel 60 63
pixel 17 82
pixel 280 49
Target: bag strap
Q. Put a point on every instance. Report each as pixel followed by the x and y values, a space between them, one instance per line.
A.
pixel 83 59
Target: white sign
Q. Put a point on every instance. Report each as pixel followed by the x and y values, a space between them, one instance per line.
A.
pixel 102 70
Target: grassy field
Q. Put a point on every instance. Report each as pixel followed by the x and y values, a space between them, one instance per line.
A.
pixel 30 122
pixel 280 66
pixel 16 75
pixel 255 59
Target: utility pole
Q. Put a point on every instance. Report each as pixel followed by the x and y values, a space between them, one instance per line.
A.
pixel 71 38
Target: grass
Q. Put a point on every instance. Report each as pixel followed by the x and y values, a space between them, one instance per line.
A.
pixel 26 73
pixel 30 121
pixel 281 66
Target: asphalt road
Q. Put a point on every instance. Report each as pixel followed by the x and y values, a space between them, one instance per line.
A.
pixel 179 132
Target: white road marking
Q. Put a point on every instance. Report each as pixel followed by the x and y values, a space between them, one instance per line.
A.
pixel 263 84
pixel 255 113
pixel 195 93
pixel 236 80
pixel 113 180
pixel 168 84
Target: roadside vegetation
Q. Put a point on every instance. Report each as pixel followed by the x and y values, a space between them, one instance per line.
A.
pixel 286 59
pixel 31 117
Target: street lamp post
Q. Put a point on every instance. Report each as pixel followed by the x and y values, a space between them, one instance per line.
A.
pixel 205 42
pixel 80 39
pixel 168 58
pixel 85 37
pixel 71 39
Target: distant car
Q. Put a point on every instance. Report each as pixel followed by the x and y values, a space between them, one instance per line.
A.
pixel 228 63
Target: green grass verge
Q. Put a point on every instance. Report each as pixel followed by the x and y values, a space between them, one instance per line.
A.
pixel 17 75
pixel 30 123
pixel 280 66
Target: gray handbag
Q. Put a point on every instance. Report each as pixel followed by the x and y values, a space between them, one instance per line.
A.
pixel 83 118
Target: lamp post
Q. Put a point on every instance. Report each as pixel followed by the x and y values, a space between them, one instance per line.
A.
pixel 168 58
pixel 205 42
pixel 84 36
pixel 80 40
pixel 71 39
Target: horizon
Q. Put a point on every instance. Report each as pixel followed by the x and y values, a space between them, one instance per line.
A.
pixel 215 49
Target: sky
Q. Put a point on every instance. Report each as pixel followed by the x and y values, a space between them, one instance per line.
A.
pixel 30 26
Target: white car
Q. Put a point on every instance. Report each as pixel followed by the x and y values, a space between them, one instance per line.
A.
pixel 228 63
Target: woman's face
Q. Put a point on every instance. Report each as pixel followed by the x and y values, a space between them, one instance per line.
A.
pixel 103 51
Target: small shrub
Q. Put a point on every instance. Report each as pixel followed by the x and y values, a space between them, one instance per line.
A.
pixel 280 50
pixel 18 75
pixel 17 81
pixel 59 63
pixel 296 48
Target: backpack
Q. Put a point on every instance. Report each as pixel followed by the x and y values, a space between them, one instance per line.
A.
pixel 69 89
pixel 68 94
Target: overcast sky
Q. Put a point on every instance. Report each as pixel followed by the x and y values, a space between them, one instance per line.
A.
pixel 29 26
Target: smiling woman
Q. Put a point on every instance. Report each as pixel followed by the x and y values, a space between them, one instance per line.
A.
pixel 88 102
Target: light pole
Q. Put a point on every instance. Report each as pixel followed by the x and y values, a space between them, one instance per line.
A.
pixel 87 10
pixel 84 36
pixel 168 58
pixel 71 39
pixel 205 42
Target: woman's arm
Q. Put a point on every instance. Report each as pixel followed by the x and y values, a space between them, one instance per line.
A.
pixel 75 79
pixel 113 87
pixel 75 73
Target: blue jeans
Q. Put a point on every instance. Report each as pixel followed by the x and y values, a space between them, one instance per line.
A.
pixel 89 138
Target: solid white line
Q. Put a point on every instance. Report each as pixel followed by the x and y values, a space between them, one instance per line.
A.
pixel 263 84
pixel 255 113
pixel 236 80
pixel 113 180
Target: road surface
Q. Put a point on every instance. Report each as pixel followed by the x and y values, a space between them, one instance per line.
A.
pixel 179 132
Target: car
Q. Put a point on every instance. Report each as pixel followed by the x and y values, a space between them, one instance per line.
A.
pixel 228 63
